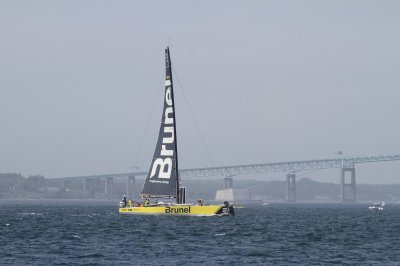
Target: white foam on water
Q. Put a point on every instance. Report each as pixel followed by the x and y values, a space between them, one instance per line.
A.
pixel 85 215
pixel 220 234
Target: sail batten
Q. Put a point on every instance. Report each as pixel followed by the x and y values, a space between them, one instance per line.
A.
pixel 162 178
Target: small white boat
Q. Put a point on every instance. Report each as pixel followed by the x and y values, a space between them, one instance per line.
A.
pixel 377 206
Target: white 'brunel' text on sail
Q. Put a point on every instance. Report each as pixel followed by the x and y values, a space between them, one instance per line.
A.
pixel 165 163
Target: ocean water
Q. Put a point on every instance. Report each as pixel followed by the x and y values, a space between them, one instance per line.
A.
pixel 93 233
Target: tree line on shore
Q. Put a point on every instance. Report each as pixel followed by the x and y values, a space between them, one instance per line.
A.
pixel 14 185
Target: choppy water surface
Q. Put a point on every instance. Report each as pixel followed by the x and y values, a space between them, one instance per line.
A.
pixel 71 233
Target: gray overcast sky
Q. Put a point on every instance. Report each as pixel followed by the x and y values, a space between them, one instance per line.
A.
pixel 267 81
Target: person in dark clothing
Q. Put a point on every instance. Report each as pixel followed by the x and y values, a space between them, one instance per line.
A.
pixel 124 201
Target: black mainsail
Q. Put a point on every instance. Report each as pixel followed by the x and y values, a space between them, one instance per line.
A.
pixel 162 179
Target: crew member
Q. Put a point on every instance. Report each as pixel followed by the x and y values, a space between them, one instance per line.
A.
pixel 200 202
pixel 124 201
pixel 147 202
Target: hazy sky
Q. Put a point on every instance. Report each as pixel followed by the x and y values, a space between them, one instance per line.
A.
pixel 81 83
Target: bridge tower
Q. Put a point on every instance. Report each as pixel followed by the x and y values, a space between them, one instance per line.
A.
pixel 66 183
pixel 228 182
pixel 348 189
pixel 131 187
pixel 85 184
pixel 108 185
pixel 291 187
pixel 88 187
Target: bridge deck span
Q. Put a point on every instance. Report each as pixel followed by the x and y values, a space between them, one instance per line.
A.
pixel 287 167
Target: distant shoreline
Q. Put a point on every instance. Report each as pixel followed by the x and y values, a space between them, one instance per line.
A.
pixel 115 202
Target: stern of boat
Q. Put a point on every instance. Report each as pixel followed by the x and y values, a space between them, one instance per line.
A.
pixel 226 209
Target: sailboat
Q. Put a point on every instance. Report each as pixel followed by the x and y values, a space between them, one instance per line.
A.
pixel 162 180
pixel 377 206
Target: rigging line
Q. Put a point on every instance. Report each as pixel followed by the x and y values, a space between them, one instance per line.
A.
pixel 194 118
pixel 145 132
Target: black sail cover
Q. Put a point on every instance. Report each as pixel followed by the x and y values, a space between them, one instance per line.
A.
pixel 162 178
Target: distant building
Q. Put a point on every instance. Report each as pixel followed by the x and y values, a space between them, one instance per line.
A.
pixel 232 194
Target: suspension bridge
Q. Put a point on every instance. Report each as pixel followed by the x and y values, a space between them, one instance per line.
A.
pixel 346 164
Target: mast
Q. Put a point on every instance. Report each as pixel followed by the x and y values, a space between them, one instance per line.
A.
pixel 169 74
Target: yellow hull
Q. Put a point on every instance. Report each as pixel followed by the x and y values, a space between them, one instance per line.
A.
pixel 183 210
